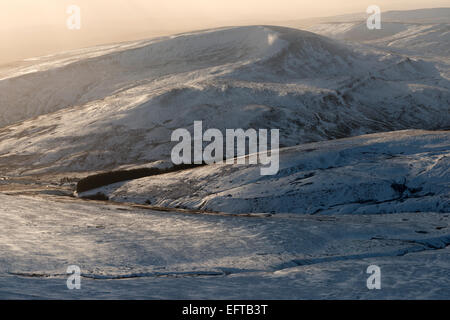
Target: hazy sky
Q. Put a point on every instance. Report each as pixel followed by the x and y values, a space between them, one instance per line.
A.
pixel 33 27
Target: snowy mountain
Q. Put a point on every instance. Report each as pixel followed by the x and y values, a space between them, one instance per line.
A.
pixel 417 16
pixel 430 15
pixel 425 39
pixel 105 107
pixel 418 32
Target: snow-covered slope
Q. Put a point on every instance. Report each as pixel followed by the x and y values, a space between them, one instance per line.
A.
pixel 82 76
pixel 430 15
pixel 405 171
pixel 130 253
pixel 423 16
pixel 121 107
pixel 425 39
pixel 423 32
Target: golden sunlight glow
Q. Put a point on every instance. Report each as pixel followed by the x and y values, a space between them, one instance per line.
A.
pixel 36 27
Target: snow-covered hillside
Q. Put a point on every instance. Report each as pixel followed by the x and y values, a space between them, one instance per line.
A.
pixel 429 15
pixel 75 78
pixel 426 39
pixel 423 16
pixel 417 32
pixel 99 111
pixel 403 171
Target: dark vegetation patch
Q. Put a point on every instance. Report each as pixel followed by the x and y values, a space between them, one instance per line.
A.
pixel 68 180
pixel 401 188
pixel 110 177
pixel 98 196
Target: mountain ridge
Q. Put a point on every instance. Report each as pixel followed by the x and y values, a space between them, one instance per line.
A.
pixel 120 108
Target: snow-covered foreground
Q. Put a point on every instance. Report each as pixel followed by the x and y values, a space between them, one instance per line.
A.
pixel 133 253
pixel 401 171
